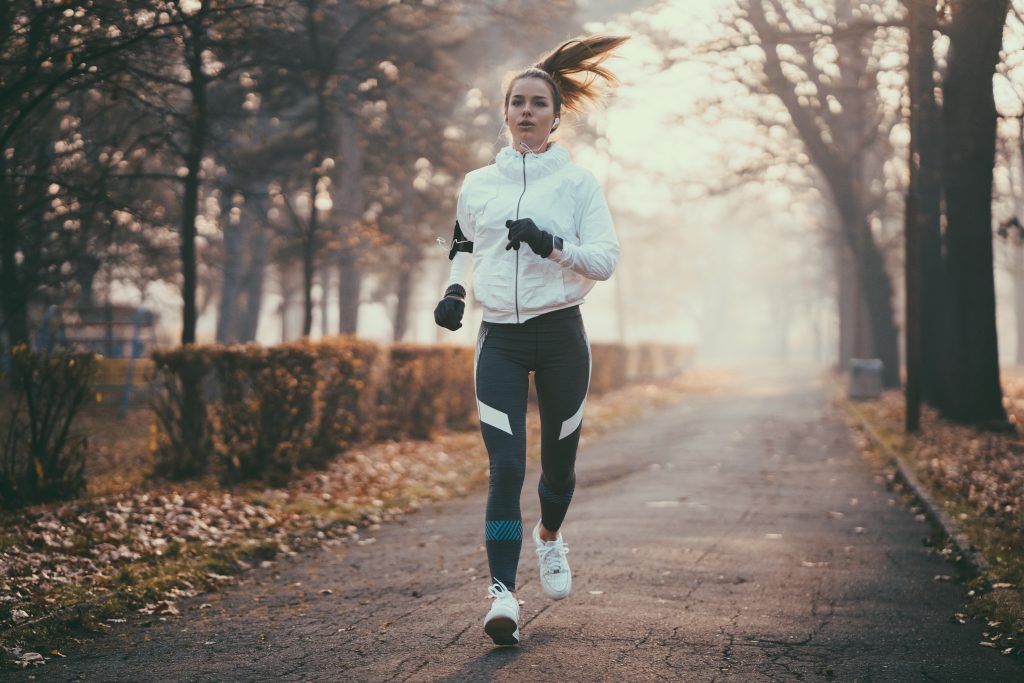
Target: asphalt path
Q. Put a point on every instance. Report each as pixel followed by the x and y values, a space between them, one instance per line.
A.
pixel 739 536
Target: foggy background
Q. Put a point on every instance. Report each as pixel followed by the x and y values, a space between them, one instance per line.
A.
pixel 730 238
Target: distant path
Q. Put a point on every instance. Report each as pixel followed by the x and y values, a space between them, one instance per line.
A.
pixel 738 537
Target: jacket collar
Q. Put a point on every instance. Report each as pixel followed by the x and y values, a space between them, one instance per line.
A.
pixel 510 162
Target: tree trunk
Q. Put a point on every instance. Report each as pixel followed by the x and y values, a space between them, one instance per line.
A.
pixel 234 255
pixel 325 286
pixel 252 281
pixel 854 321
pixel 839 154
pixel 349 280
pixel 877 289
pixel 1018 295
pixel 193 159
pixel 309 260
pixel 1018 246
pixel 926 187
pixel 970 124
pixel 351 182
pixel 12 299
pixel 409 257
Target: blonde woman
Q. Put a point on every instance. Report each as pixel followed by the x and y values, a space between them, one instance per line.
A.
pixel 535 231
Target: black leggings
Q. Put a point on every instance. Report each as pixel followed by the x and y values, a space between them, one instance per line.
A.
pixel 554 347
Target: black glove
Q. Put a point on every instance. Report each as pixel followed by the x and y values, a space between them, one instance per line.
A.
pixel 449 310
pixel 525 230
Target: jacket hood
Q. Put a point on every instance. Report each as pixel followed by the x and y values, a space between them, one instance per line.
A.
pixel 510 162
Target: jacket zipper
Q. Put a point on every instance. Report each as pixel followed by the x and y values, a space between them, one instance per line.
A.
pixel 518 203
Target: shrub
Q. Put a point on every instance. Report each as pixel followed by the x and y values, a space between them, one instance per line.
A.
pixel 348 376
pixel 425 389
pixel 267 412
pixel 181 440
pixel 42 457
pixel 459 390
pixel 260 422
pixel 610 367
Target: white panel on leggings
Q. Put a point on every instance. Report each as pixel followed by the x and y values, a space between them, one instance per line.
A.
pixel 494 417
pixel 570 425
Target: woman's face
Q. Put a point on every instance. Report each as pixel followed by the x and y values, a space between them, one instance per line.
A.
pixel 530 114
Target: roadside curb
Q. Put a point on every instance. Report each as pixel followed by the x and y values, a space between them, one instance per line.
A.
pixel 933 510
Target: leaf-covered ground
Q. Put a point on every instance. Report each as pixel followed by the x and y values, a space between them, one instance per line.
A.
pixel 132 545
pixel 979 477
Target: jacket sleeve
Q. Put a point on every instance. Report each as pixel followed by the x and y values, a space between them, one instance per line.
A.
pixel 597 254
pixel 462 263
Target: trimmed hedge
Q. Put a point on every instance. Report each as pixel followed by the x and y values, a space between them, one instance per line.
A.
pixel 42 456
pixel 265 413
pixel 181 434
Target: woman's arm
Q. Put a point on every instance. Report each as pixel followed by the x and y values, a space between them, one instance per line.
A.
pixel 462 266
pixel 597 253
pixel 461 254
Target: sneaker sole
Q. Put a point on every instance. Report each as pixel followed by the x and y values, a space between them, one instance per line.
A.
pixel 503 631
pixel 558 596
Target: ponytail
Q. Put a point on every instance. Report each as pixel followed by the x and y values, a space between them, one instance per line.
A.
pixel 572 70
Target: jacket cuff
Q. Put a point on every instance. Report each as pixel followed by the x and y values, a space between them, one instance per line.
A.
pixel 455 291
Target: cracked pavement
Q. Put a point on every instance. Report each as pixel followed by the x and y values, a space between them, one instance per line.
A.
pixel 739 536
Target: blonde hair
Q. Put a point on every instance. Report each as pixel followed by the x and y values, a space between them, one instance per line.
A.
pixel 572 69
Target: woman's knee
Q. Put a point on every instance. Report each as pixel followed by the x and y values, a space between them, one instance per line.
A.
pixel 508 473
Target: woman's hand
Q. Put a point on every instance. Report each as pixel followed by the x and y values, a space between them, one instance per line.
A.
pixel 449 310
pixel 525 230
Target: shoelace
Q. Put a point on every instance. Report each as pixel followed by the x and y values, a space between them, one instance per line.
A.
pixel 498 591
pixel 553 556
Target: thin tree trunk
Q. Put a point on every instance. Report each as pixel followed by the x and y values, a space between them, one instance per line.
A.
pixel 970 126
pixel 349 281
pixel 926 187
pixel 309 244
pixel 193 159
pixel 1018 244
pixel 349 276
pixel 854 320
pixel 409 258
pixel 253 286
pixel 325 286
pixel 845 305
pixel 234 254
pixel 1018 295
pixel 12 293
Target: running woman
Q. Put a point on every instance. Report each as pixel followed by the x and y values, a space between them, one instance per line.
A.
pixel 533 196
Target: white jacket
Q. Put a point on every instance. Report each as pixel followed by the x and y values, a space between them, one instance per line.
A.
pixel 561 198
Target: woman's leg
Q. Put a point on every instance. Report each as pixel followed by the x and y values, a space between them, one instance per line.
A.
pixel 562 379
pixel 502 385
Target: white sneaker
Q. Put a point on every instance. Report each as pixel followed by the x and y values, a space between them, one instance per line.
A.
pixel 555 577
pixel 502 621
